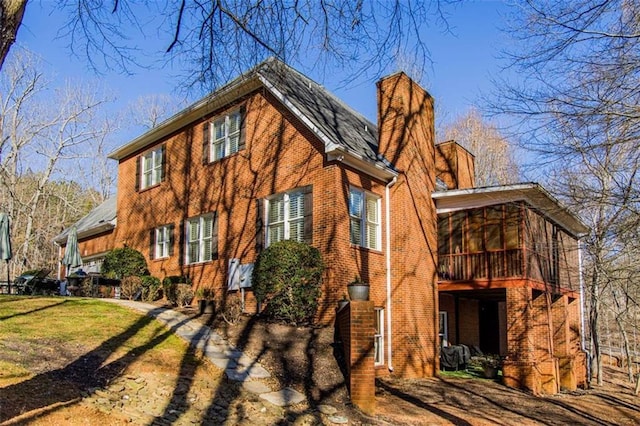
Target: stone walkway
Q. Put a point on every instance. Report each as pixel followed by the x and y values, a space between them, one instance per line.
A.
pixel 236 365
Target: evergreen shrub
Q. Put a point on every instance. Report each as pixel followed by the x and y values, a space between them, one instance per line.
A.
pixel 286 278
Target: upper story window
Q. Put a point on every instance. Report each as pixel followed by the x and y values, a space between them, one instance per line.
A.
pixel 224 136
pixel 151 168
pixel 161 242
pixel 201 238
pixel 364 214
pixel 287 215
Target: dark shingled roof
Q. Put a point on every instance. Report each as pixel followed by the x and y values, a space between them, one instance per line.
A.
pixel 332 118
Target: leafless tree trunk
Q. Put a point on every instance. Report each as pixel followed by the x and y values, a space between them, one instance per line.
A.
pixel 11 13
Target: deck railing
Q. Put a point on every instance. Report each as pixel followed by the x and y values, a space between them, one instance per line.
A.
pixel 485 265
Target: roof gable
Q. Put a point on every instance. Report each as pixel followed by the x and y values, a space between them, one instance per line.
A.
pixel 342 130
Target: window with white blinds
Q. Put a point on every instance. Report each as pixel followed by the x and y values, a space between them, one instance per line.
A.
pixel 162 241
pixel 199 237
pixel 151 168
pixel 285 217
pixel 364 215
pixel 225 138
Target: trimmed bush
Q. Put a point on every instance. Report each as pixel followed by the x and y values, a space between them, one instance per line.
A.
pixel 287 277
pixel 131 287
pixel 124 262
pixel 151 288
pixel 177 290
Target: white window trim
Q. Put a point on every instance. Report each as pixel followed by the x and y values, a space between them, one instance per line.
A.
pixel 378 338
pixel 151 163
pixel 226 140
pixel 202 239
pixel 162 242
pixel 287 220
pixel 364 222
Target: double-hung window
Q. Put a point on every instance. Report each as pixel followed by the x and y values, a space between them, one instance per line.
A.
pixel 226 135
pixel 364 214
pixel 151 168
pixel 200 239
pixel 162 241
pixel 443 334
pixel 378 340
pixel 286 217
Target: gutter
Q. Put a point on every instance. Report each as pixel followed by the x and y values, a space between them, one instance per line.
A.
pixel 388 268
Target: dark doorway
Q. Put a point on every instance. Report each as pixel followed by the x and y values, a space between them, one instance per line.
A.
pixel 489 327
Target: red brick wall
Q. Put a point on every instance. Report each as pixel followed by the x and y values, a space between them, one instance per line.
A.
pixel 405 124
pixel 281 154
pixel 455 165
pixel 97 244
pixel 469 327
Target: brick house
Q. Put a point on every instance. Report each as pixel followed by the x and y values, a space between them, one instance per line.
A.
pixel 273 155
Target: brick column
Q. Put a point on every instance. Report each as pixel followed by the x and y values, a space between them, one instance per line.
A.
pixel 531 363
pixel 517 369
pixel 356 325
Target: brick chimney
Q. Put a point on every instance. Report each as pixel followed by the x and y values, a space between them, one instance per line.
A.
pixel 405 119
pixel 406 139
pixel 455 165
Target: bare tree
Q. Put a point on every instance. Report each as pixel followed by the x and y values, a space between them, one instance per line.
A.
pixel 149 111
pixel 578 112
pixel 220 39
pixel 42 134
pixel 495 162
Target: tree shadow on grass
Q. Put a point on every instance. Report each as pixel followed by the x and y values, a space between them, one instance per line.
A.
pixel 61 387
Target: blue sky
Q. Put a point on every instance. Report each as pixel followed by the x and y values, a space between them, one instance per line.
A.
pixel 463 59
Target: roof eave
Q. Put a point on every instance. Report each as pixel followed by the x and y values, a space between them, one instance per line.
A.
pixel 206 105
pixel 374 169
pixel 532 193
pixel 99 229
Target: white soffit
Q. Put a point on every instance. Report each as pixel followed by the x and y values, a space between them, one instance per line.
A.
pixel 532 193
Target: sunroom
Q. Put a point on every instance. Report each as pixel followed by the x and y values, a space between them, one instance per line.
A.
pixel 509 279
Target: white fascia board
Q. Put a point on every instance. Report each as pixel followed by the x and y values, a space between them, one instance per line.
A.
pixel 372 169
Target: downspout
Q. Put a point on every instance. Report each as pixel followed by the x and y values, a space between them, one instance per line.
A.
pixel 388 267
pixel 583 345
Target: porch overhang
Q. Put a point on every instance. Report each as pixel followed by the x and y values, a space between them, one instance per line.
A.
pixel 531 193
